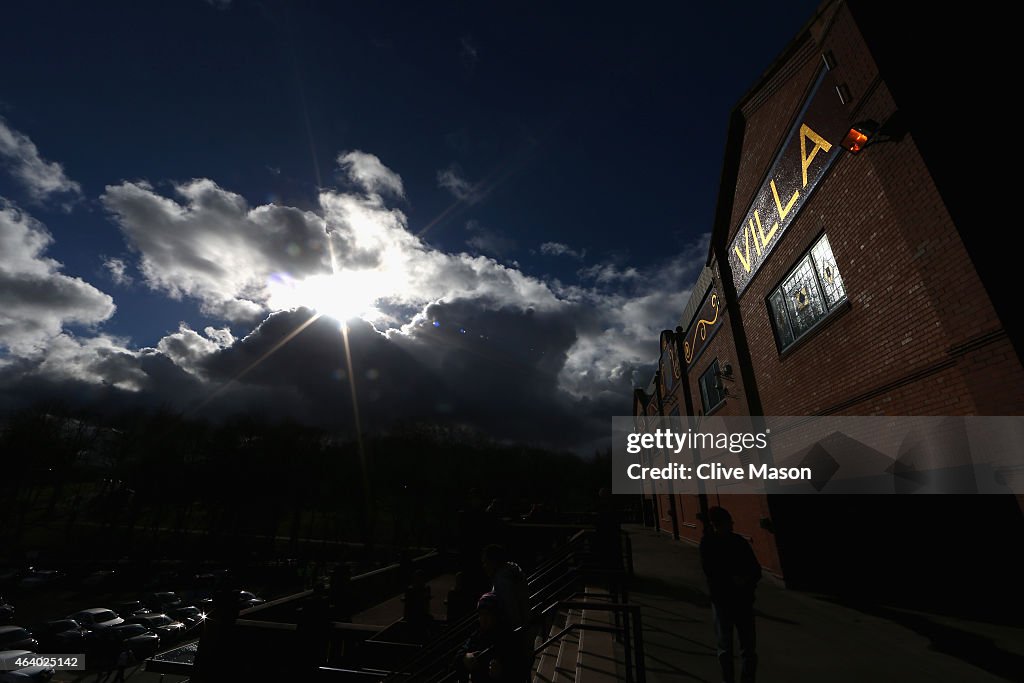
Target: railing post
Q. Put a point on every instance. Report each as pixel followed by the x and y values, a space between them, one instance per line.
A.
pixel 629 554
pixel 638 635
pixel 625 643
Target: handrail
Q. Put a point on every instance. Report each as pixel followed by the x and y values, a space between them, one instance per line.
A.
pixel 566 565
pixel 634 656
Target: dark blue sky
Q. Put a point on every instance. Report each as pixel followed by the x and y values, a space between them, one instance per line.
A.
pixel 602 125
pixel 522 186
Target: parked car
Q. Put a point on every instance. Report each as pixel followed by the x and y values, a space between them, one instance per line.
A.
pixel 162 601
pixel 60 635
pixel 137 638
pixel 190 616
pixel 17 638
pixel 6 611
pixel 100 578
pixel 40 578
pixel 11 673
pixel 131 608
pixel 96 618
pixel 244 599
pixel 164 626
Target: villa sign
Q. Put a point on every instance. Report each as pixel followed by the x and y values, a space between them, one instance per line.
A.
pixel 803 160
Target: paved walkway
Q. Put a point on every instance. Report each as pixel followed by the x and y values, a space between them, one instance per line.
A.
pixel 804 637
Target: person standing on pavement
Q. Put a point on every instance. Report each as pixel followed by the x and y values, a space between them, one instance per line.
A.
pixel 732 571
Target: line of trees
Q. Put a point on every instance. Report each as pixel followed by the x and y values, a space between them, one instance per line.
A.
pixel 144 478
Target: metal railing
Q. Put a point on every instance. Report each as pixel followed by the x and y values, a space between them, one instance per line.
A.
pixel 631 632
pixel 550 583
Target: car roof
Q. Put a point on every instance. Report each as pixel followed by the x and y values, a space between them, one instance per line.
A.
pixel 11 627
pixel 94 610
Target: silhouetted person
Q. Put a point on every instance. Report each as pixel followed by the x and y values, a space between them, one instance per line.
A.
pixel 733 572
pixel 508 583
pixel 493 653
pixel 513 594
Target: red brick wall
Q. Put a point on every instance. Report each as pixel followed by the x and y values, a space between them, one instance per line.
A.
pixel 919 336
pixel 917 305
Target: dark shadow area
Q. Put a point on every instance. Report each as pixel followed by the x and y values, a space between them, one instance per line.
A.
pixel 953 555
pixel 642 584
pixel 969 647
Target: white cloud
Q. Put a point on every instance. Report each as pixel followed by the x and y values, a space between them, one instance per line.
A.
pixel 618 337
pixel 118 270
pixel 559 249
pixel 38 300
pixel 101 359
pixel 41 179
pixel 452 179
pixel 367 171
pixel 577 345
pixel 187 348
pixel 211 246
pixel 240 262
pixel 608 273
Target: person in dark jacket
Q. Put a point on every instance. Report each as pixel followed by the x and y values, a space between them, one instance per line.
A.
pixel 493 653
pixel 732 571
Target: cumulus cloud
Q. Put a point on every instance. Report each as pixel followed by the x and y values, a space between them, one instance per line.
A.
pixel 559 249
pixel 367 171
pixel 41 179
pixel 208 244
pixel 188 349
pixel 38 300
pixel 619 325
pixel 240 262
pixel 434 335
pixel 118 270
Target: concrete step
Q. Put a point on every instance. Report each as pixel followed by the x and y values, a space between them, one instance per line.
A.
pixel 596 656
pixel 544 664
pixel 568 651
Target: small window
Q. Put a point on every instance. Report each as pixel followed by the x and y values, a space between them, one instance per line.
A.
pixel 811 291
pixel 711 390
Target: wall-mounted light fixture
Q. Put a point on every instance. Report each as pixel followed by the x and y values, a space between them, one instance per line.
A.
pixel 858 136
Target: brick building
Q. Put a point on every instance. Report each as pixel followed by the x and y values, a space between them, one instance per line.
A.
pixel 845 281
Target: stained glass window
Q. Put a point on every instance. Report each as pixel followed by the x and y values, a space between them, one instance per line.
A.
pixel 807 295
pixel 828 273
pixel 711 390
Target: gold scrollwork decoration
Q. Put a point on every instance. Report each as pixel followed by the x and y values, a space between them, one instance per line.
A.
pixel 701 329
